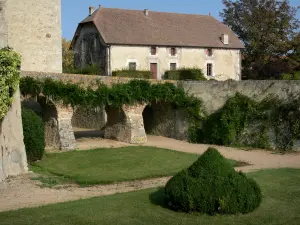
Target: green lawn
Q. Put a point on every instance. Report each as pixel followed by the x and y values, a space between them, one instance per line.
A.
pixel 281 206
pixel 103 166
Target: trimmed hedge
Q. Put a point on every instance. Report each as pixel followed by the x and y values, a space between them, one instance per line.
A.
pixel 212 186
pixel 88 70
pixel 34 137
pixel 290 76
pixel 133 74
pixel 184 74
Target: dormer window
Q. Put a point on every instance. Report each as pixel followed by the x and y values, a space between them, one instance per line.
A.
pixel 173 51
pixel 209 52
pixel 153 50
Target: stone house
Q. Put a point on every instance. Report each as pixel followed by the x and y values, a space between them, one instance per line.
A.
pixel 116 39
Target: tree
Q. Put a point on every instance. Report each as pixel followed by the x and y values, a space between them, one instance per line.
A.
pixel 67 55
pixel 268 29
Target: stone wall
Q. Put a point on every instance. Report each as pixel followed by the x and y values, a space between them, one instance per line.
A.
pixel 89 118
pixel 33 29
pixel 3 25
pixel 13 159
pixel 84 80
pixel 89 48
pixel 214 94
pixel 161 119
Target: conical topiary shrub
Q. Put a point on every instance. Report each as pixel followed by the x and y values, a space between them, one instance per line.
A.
pixel 212 186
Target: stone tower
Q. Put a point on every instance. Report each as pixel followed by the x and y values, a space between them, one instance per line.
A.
pixel 33 29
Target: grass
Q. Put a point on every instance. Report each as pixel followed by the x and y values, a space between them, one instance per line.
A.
pixel 280 206
pixel 103 166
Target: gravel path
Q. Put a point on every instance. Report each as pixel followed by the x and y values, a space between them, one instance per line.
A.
pixel 22 191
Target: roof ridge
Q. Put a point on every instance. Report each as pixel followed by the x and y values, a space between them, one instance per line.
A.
pixel 176 13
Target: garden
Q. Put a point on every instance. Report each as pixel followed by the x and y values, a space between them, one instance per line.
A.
pixel 203 188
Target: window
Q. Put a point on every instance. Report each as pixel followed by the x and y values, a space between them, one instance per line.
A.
pixel 132 66
pixel 209 69
pixel 173 51
pixel 173 66
pixel 153 50
pixel 209 52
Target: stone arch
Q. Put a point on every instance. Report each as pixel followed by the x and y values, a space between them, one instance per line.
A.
pixel 162 119
pixel 126 124
pixel 50 118
pixel 57 119
pixel 89 121
pixel 47 111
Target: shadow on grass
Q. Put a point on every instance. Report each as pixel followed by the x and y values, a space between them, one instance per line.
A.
pixel 158 198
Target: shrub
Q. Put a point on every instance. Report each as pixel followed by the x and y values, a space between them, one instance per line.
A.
pixel 142 74
pixel 212 186
pixel 184 74
pixel 34 137
pixel 9 78
pixel 88 70
pixel 225 126
pixel 291 76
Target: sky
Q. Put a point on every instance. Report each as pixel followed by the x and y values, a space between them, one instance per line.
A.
pixel 73 11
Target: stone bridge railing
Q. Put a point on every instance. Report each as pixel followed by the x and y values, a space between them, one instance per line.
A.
pixel 84 80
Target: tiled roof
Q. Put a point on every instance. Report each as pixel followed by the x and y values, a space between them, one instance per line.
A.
pixel 133 27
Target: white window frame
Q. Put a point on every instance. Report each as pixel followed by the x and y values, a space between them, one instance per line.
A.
pixel 132 61
pixel 170 49
pixel 156 54
pixel 213 68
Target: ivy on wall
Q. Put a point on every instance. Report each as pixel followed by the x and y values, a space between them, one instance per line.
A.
pixel 243 122
pixel 135 91
pixel 10 63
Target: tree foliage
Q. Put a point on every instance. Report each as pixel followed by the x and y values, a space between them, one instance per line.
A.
pixel 67 55
pixel 269 30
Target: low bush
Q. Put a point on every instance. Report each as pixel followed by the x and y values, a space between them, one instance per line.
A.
pixel 88 70
pixel 291 76
pixel 184 74
pixel 34 137
pixel 142 74
pixel 212 186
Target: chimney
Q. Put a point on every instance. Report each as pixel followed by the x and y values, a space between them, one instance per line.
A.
pixel 146 12
pixel 225 39
pixel 91 10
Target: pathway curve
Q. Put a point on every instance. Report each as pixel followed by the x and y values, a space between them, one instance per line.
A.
pixel 258 159
pixel 22 191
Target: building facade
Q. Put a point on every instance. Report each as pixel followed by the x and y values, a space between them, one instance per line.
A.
pixel 116 39
pixel 33 29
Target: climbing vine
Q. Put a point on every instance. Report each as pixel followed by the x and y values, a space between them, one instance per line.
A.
pixel 9 78
pixel 242 122
pixel 135 91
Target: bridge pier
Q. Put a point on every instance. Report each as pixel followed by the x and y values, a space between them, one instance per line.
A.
pixel 126 124
pixel 65 129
